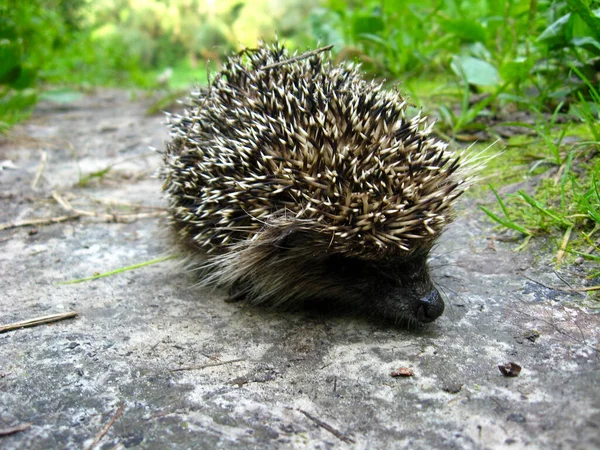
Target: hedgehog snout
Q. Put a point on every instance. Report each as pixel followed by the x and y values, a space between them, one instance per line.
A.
pixel 430 307
pixel 419 302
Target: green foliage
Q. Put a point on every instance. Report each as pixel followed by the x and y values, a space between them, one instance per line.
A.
pixel 565 202
pixel 516 51
pixel 126 43
pixel 475 71
pixel 40 41
pixel 17 75
pixel 507 221
pixel 570 203
pixel 572 199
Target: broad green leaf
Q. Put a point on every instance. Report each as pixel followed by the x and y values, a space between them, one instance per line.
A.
pixel 557 31
pixel 591 18
pixel 475 71
pixel 588 43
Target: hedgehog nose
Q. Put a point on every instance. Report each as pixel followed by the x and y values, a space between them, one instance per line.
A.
pixel 430 307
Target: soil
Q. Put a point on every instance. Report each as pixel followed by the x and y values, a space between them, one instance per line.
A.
pixel 151 361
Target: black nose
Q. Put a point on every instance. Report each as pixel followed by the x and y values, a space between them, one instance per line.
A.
pixel 430 307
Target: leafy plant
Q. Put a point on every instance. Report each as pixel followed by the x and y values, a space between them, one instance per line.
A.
pixel 507 221
pixel 570 204
pixel 17 76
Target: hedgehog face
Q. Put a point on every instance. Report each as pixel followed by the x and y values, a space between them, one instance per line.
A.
pixel 295 268
pixel 409 293
pixel 400 290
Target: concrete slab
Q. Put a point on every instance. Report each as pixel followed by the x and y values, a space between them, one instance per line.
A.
pixel 260 379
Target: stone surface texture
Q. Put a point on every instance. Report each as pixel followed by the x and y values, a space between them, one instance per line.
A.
pixel 258 379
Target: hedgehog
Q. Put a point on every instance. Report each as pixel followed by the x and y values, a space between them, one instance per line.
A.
pixel 293 181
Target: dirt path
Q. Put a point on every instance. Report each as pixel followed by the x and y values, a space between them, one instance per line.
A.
pixel 257 379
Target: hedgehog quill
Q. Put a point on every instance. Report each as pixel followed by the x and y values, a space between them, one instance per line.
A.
pixel 293 181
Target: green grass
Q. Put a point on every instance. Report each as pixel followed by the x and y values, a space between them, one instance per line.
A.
pixel 563 206
pixel 567 201
pixel 119 270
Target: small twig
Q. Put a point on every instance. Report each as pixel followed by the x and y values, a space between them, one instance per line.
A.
pixel 338 434
pixel 587 289
pixel 64 203
pixel 104 430
pixel 13 430
pixel 40 170
pixel 41 221
pixel 84 180
pixel 562 289
pixel 204 366
pixel 539 282
pixel 297 58
pixel 563 246
pixel 562 279
pixel 122 269
pixel 37 321
pixel 126 218
pixel 581 333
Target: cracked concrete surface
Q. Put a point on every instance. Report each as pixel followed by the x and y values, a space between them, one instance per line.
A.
pixel 253 372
